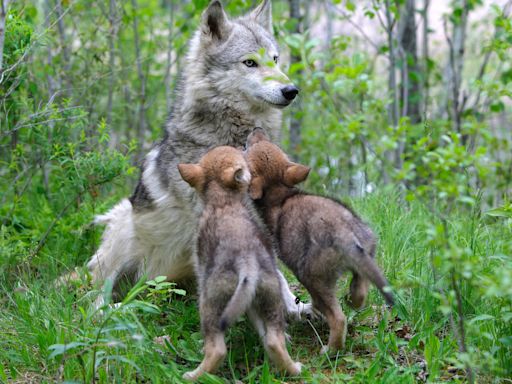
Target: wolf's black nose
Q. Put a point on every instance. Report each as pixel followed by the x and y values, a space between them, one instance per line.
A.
pixel 289 92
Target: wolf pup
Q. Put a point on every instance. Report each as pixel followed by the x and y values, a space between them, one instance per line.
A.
pixel 235 264
pixel 227 88
pixel 318 238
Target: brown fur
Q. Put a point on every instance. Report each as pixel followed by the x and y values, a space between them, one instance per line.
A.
pixel 236 269
pixel 318 238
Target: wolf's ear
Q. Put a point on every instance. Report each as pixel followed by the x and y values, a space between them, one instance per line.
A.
pixel 191 173
pixel 295 174
pixel 215 22
pixel 256 188
pixel 256 136
pixel 262 14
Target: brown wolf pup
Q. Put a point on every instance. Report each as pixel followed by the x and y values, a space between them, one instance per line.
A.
pixel 318 238
pixel 235 266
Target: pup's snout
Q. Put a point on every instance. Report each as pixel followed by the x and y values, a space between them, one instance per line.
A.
pixel 289 92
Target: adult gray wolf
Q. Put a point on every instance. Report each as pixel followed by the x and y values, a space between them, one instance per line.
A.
pixel 231 83
pixel 235 261
pixel 317 238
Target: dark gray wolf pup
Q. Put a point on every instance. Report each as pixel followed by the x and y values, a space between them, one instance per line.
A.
pixel 236 266
pixel 318 238
pixel 231 83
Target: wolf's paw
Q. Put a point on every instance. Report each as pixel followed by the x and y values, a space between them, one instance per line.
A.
pixel 303 311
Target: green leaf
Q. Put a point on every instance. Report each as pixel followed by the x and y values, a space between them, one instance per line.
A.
pixel 122 359
pixel 498 106
pixel 482 317
pixel 3 376
pixel 60 349
pixel 145 306
pixel 507 340
pixel 504 211
pixel 180 292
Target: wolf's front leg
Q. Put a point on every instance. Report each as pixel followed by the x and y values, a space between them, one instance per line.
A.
pixel 294 307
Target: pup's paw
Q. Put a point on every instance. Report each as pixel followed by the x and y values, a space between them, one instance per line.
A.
pixel 191 375
pixel 330 351
pixel 295 369
pixel 324 350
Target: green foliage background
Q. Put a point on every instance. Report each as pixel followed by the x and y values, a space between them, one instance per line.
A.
pixel 72 95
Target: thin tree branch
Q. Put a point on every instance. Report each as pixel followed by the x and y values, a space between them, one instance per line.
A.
pixel 348 18
pixel 485 61
pixel 31 46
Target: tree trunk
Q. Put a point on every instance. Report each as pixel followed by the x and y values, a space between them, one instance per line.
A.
pixel 410 74
pixel 141 127
pixel 393 108
pixel 64 48
pixel 426 66
pixel 3 13
pixel 455 66
pixel 53 87
pixel 112 19
pixel 167 80
pixel 295 123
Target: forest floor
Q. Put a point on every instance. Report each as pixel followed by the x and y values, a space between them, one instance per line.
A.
pixel 51 333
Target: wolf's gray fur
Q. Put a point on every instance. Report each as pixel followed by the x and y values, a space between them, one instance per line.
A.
pixel 221 97
pixel 318 238
pixel 235 266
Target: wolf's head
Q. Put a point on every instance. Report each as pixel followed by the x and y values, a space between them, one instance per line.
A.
pixel 238 60
pixel 223 166
pixel 270 166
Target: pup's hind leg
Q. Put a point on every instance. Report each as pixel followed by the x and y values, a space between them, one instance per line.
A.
pixel 275 346
pixel 326 302
pixel 358 291
pixel 257 322
pixel 268 315
pixel 214 353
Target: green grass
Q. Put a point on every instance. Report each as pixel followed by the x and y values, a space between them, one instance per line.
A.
pixel 415 341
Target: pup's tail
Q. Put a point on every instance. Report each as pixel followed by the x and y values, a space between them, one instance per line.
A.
pixel 241 299
pixel 363 263
pixel 372 272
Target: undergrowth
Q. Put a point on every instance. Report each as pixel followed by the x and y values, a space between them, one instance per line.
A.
pixel 51 331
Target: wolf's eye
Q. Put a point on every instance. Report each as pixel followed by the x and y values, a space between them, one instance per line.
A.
pixel 250 63
pixel 275 59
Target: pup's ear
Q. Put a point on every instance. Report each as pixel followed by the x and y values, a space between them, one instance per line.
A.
pixel 256 188
pixel 295 174
pixel 235 175
pixel 215 22
pixel 257 135
pixel 262 14
pixel 191 173
pixel 239 175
